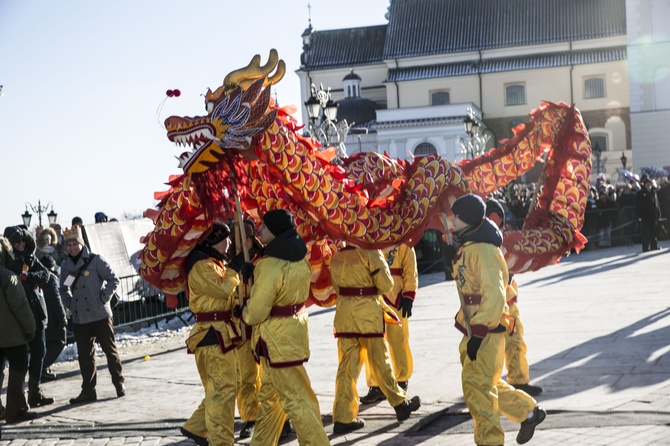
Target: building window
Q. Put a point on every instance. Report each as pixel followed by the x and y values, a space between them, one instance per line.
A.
pixel 599 141
pixel 439 98
pixel 515 94
pixel 425 148
pixel 594 87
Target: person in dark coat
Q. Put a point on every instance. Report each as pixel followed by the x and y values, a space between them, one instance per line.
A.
pixel 17 327
pixel 648 213
pixel 56 331
pixel 33 276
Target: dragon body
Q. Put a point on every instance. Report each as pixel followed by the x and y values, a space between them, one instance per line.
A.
pixel 248 148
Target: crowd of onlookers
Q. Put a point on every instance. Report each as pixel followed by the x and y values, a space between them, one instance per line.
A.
pixel 614 212
pixel 32 336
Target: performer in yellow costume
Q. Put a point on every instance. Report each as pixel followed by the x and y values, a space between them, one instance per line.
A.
pixel 518 372
pixel 402 264
pixel 213 338
pixel 360 277
pixel 248 370
pixel 280 335
pixel 481 276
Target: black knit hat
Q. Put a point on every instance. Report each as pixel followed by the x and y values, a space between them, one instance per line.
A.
pixel 48 262
pixel 278 221
pixel 493 206
pixel 220 231
pixel 469 209
pixel 14 234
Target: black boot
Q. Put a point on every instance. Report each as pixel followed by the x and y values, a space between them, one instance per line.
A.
pixel 405 408
pixel 528 388
pixel 528 427
pixel 37 398
pixel 248 429
pixel 86 396
pixel 200 441
pixel 343 428
pixel 120 389
pixel 374 394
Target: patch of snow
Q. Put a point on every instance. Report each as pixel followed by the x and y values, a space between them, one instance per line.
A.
pixel 142 336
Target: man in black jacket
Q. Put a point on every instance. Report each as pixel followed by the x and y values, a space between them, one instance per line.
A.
pixel 17 327
pixel 33 276
pixel 648 212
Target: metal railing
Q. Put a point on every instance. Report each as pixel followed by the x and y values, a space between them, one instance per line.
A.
pixel 602 227
pixel 141 302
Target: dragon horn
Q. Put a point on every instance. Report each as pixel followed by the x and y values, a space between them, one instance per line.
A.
pixel 245 76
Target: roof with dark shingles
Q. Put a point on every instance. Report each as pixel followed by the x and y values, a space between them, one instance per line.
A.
pixel 424 27
pixel 427 27
pixel 544 60
pixel 346 47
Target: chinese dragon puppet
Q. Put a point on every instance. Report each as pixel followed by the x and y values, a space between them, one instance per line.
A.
pixel 249 152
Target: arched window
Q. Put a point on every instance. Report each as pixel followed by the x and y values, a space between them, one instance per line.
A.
pixel 425 148
pixel 515 94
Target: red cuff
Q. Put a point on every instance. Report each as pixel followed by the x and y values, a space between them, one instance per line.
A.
pixel 410 294
pixel 479 331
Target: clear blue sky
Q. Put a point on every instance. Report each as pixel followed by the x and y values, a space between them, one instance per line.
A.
pixel 83 80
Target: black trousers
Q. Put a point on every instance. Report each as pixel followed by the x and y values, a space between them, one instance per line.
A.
pixel 37 351
pixel 56 338
pixel 648 230
pixel 86 335
pixel 17 357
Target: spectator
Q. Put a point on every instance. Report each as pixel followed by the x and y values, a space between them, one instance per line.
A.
pixel 606 214
pixel 56 331
pixel 47 244
pixel 626 204
pixel 77 221
pixel 60 243
pixel 33 276
pixel 101 217
pixel 17 328
pixel 648 213
pixel 663 195
pixel 87 285
pixel 590 229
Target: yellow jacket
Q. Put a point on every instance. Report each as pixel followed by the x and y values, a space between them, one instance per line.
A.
pixel 402 264
pixel 512 291
pixel 284 341
pixel 481 275
pixel 360 316
pixel 211 289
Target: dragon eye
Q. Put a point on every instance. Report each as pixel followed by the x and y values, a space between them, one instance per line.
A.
pixel 210 106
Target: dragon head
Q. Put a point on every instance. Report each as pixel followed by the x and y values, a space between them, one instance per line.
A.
pixel 236 112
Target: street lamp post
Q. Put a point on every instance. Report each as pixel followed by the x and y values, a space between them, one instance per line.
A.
pixel 323 123
pixel 474 147
pixel 597 151
pixel 624 160
pixel 27 216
